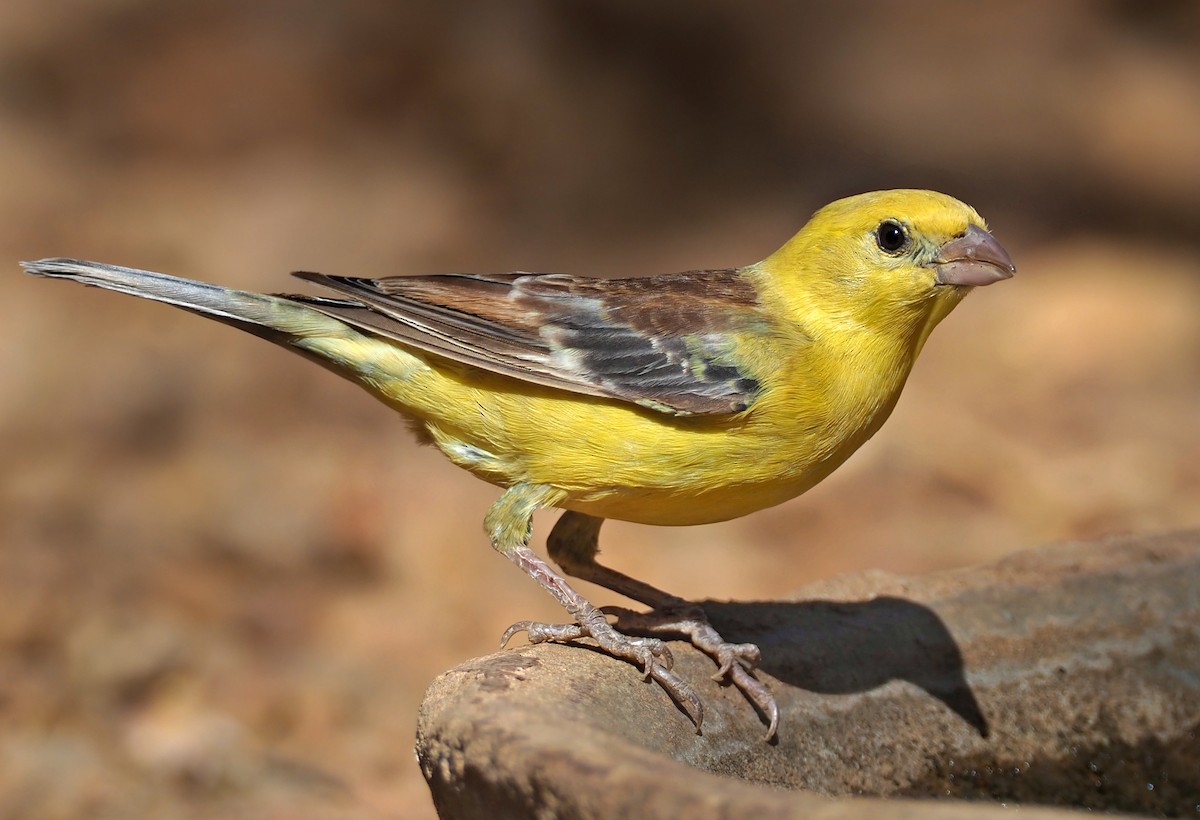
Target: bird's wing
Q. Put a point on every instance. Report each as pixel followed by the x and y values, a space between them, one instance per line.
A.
pixel 665 342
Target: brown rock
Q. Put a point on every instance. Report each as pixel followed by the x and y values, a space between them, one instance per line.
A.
pixel 1067 676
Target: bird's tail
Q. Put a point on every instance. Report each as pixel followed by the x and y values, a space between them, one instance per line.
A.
pixel 274 318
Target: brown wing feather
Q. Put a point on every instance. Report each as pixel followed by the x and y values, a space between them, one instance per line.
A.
pixel 662 342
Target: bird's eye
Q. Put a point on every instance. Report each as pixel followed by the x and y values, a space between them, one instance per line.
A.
pixel 891 236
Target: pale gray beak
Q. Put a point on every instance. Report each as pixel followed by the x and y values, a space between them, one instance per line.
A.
pixel 973 259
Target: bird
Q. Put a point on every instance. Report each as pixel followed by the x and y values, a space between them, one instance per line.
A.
pixel 675 399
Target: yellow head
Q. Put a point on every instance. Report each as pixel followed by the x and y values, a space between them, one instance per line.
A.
pixel 896 260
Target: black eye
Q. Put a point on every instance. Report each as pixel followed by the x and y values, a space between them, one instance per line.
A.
pixel 891 236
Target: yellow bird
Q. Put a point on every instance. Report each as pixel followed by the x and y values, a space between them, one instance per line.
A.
pixel 678 399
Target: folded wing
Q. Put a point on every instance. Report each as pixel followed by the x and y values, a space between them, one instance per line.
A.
pixel 665 342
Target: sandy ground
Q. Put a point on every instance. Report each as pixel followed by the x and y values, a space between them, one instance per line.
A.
pixel 226 576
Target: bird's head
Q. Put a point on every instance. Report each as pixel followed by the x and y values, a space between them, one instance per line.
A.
pixel 889 258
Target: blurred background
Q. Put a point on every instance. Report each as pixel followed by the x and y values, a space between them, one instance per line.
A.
pixel 226 576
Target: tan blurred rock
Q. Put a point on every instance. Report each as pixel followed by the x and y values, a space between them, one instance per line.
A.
pixel 1063 676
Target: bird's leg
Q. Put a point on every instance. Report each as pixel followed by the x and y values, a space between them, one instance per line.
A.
pixel 573 545
pixel 509 523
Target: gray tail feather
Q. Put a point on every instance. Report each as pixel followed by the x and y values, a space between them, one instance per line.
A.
pixel 274 318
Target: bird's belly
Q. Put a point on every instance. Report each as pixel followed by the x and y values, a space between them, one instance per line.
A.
pixel 682 507
pixel 615 460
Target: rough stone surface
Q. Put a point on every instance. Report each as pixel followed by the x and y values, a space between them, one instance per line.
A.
pixel 1068 676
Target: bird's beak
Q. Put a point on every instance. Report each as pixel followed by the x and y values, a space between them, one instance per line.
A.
pixel 973 259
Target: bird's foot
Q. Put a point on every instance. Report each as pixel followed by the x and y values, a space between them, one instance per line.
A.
pixel 649 654
pixel 735 661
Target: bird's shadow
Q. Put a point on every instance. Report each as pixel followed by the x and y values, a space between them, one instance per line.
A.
pixel 838 647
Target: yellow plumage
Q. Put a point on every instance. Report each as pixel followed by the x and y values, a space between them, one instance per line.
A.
pixel 839 338
pixel 684 399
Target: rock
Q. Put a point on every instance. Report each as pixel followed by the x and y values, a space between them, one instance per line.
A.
pixel 1066 676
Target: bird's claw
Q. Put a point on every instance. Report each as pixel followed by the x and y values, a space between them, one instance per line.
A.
pixel 538 632
pixel 728 655
pixel 736 662
pixel 650 655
